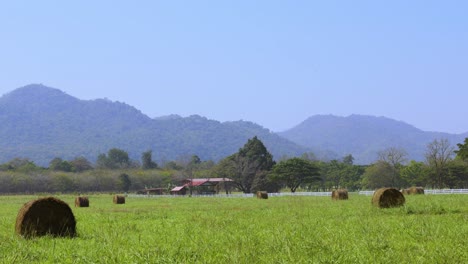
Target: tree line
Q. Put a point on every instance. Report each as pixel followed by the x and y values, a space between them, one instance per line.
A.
pixel 252 169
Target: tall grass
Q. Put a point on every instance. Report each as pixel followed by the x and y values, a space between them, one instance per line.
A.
pixel 428 229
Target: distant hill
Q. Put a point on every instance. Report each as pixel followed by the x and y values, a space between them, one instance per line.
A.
pixel 40 123
pixel 363 136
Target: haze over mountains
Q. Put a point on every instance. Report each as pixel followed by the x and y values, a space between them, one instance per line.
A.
pixel 364 136
pixel 41 123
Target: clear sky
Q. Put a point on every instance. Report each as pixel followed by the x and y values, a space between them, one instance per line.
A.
pixel 271 62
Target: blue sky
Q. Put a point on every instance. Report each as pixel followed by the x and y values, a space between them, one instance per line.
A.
pixel 271 62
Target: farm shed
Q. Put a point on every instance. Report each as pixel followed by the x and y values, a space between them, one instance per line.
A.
pixel 179 190
pixel 204 186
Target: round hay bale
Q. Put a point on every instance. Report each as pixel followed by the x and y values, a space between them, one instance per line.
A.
pixel 415 190
pixel 46 216
pixel 262 195
pixel 404 191
pixel 119 199
pixel 388 197
pixel 340 194
pixel 81 201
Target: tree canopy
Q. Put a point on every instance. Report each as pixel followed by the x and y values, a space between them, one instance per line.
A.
pixel 251 161
pixel 294 172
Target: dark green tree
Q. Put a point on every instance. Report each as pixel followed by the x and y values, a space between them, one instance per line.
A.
pixel 118 158
pixel 171 165
pixel 462 152
pixel 22 165
pixel 57 164
pixel 124 182
pixel 81 164
pixel 458 174
pixel 147 162
pixel 414 174
pixel 295 172
pixel 102 162
pixel 115 159
pixel 379 174
pixel 253 160
pixel 348 159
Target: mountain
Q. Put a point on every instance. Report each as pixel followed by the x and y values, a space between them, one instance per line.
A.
pixel 363 136
pixel 41 123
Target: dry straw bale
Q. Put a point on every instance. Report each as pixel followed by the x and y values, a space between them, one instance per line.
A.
pixel 340 194
pixel 81 201
pixel 119 199
pixel 46 216
pixel 262 195
pixel 388 197
pixel 415 190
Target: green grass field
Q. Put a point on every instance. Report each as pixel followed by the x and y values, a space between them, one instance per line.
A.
pixel 428 229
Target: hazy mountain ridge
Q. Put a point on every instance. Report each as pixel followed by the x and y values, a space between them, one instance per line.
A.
pixel 364 136
pixel 41 123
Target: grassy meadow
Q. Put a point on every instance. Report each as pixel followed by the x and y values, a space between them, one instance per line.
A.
pixel 428 229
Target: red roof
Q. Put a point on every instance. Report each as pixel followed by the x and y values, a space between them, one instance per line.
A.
pixel 178 188
pixel 201 181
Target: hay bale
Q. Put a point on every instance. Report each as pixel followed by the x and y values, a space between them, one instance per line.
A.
pixel 404 191
pixel 81 201
pixel 262 195
pixel 340 194
pixel 119 199
pixel 46 216
pixel 388 197
pixel 415 190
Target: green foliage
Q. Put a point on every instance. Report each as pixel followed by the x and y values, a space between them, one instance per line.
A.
pixel 115 159
pixel 124 182
pixel 172 165
pixel 251 161
pixel 378 175
pixel 415 173
pixel 438 155
pixel 295 172
pixel 57 164
pixel 462 152
pixel 81 164
pixel 147 162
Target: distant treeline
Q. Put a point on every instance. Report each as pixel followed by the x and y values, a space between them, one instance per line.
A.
pixel 252 168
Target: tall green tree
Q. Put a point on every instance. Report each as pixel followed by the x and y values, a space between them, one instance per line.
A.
pixel 81 164
pixel 457 174
pixel 462 152
pixel 118 158
pixel 378 175
pixel 124 182
pixel 147 162
pixel 57 164
pixel 414 174
pixel 115 159
pixel 294 172
pixel 251 161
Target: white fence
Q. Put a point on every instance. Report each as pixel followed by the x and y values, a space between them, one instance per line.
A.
pixel 236 195
pixel 246 195
pixel 442 191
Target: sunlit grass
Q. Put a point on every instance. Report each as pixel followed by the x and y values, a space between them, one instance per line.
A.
pixel 428 229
